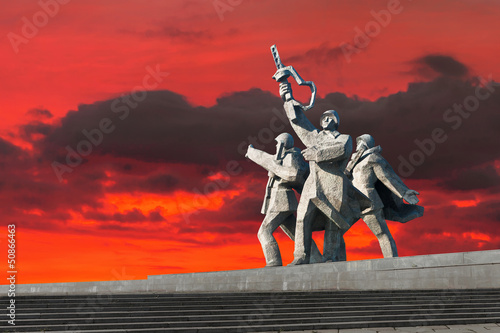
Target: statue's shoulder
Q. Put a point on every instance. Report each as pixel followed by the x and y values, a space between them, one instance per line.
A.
pixel 294 155
pixel 375 156
pixel 342 137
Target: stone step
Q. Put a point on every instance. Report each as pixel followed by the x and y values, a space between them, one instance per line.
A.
pixel 22 314
pixel 267 293
pixel 290 315
pixel 113 300
pixel 253 312
pixel 257 295
pixel 265 326
pixel 283 303
pixel 333 296
pixel 295 327
pixel 80 323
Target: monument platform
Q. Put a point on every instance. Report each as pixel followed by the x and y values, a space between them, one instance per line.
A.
pixel 467 270
pixel 409 292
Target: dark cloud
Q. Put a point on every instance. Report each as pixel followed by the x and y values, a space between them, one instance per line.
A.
pixel 473 179
pixel 45 193
pixel 162 183
pixel 322 55
pixel 441 65
pixel 238 209
pixel 486 210
pixel 404 123
pixel 7 148
pixel 448 229
pixel 40 113
pixel 174 33
pixel 178 34
pixel 152 177
pixel 34 130
pixel 134 215
pixel 165 128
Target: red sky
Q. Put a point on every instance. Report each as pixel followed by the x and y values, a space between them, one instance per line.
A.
pixel 134 208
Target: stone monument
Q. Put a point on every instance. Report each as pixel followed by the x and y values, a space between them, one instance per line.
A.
pixel 329 200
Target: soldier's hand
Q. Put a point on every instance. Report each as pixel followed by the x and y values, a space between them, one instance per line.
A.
pixel 285 88
pixel 310 154
pixel 411 197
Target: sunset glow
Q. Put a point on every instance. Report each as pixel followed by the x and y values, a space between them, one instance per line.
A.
pixel 124 126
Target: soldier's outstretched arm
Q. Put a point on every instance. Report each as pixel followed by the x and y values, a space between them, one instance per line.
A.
pixel 258 156
pixel 268 162
pixel 301 125
pixel 391 180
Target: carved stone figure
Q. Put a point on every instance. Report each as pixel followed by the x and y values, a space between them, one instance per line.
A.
pixel 327 192
pixel 287 170
pixel 375 178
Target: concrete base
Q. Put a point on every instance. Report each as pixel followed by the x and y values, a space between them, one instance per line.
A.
pixel 468 270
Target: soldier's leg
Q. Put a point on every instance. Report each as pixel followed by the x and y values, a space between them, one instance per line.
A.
pixel 341 252
pixel 334 244
pixel 306 213
pixel 288 228
pixel 377 224
pixel 269 245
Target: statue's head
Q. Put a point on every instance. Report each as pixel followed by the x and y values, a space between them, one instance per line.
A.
pixel 330 120
pixel 286 139
pixel 365 141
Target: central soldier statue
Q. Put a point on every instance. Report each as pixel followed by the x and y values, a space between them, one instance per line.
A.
pixel 328 194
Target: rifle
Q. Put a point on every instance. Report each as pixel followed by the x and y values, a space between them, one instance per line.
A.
pixel 284 72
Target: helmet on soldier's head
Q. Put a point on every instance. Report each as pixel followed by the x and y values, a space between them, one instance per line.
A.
pixel 367 139
pixel 332 114
pixel 286 139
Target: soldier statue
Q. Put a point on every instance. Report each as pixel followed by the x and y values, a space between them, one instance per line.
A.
pixel 328 196
pixel 287 170
pixel 374 177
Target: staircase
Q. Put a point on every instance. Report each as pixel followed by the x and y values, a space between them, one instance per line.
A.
pixel 252 312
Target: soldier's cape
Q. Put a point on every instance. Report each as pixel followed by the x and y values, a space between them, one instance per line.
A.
pixel 395 209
